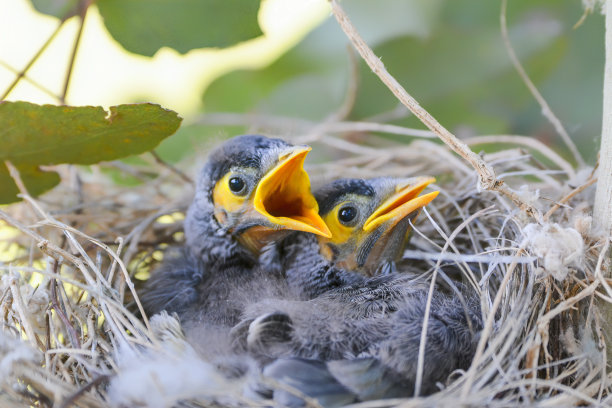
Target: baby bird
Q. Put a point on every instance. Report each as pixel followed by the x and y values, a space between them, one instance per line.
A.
pixel 371 223
pixel 351 314
pixel 251 193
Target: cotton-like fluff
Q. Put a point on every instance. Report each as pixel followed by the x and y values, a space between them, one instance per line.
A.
pixel 160 378
pixel 558 248
pixel 14 351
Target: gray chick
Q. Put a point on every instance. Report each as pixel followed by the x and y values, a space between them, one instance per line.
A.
pixel 252 192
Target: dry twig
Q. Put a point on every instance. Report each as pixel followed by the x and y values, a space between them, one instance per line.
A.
pixel 488 180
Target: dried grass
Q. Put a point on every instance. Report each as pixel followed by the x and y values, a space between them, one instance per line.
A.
pixel 66 329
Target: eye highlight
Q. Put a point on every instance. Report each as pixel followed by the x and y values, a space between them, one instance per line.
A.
pixel 347 214
pixel 237 185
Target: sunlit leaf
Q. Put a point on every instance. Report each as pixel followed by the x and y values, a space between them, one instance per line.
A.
pixel 144 26
pixel 33 135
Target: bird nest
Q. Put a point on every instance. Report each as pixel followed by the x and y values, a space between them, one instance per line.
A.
pixel 72 334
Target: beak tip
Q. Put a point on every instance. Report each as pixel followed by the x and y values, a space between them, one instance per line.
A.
pixel 417 203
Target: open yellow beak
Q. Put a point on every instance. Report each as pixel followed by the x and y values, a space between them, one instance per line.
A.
pixel 283 196
pixel 405 201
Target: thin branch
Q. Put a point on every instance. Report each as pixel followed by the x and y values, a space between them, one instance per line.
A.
pixel 568 197
pixel 379 127
pixel 32 82
pixel 82 15
pixel 529 142
pixel 351 90
pixel 72 334
pixel 488 180
pixel 170 167
pixel 22 73
pixel 71 400
pixel 546 111
pixel 22 310
pixel 240 119
pixel 345 109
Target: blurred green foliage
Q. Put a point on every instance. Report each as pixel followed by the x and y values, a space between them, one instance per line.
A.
pixel 450 56
pixel 35 135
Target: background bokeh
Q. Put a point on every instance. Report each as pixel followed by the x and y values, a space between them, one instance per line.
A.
pixel 448 53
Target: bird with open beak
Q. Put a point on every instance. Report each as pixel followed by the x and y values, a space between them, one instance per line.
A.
pixel 352 313
pixel 252 192
pixel 371 224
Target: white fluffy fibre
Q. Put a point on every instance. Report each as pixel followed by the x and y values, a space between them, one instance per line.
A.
pixel 159 378
pixel 14 351
pixel 557 247
pixel 593 5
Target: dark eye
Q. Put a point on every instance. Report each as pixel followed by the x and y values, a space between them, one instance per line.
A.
pixel 347 214
pixel 236 184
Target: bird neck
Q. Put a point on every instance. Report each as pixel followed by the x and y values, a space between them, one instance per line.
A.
pixel 308 272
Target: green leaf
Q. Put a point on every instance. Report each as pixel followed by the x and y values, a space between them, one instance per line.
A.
pixel 144 26
pixel 62 9
pixel 33 135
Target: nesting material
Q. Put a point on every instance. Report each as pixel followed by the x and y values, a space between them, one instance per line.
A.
pixel 72 260
pixel 13 351
pixel 557 248
pixel 159 377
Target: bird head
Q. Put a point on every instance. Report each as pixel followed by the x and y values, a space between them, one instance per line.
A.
pixel 257 190
pixel 370 220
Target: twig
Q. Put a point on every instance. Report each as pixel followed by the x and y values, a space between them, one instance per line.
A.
pixel 288 123
pixel 379 127
pixel 488 181
pixel 546 111
pixel 74 338
pixel 32 82
pixel 22 73
pixel 74 397
pixel 345 109
pixel 568 197
pixel 351 90
pixel 84 7
pixel 25 321
pixel 529 142
pixel 170 167
pixel 567 303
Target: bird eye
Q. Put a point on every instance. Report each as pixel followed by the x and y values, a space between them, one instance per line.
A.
pixel 236 184
pixel 347 214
